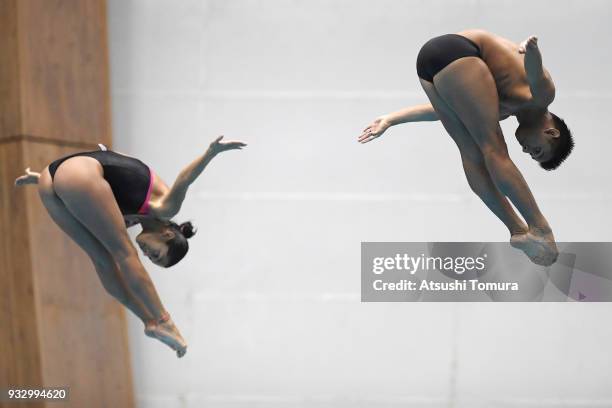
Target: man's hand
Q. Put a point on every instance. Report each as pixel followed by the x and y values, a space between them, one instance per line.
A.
pixel 374 130
pixel 218 146
pixel 530 44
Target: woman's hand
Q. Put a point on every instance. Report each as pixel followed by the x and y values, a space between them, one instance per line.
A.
pixel 529 44
pixel 31 177
pixel 374 130
pixel 218 145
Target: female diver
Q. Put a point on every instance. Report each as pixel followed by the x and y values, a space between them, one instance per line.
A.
pixel 95 196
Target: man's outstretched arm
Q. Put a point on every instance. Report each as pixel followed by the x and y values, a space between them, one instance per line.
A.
pixel 418 113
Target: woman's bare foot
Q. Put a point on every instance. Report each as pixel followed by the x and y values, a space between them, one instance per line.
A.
pixel 165 331
pixel 538 244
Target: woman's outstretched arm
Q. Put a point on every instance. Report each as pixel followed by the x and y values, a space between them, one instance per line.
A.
pixel 418 113
pixel 170 204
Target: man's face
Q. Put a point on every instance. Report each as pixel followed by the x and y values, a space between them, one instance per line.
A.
pixel 537 141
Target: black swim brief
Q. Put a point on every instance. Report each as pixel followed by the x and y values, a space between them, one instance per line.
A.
pixel 440 51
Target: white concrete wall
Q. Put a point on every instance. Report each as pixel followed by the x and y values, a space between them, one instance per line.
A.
pixel 268 297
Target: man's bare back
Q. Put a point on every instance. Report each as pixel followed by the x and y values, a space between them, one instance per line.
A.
pixel 508 69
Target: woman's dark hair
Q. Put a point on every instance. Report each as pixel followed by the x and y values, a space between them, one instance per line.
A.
pixel 562 147
pixel 178 246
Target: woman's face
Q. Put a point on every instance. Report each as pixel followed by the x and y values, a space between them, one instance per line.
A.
pixel 154 245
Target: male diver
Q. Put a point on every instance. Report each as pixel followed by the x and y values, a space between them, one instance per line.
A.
pixel 474 79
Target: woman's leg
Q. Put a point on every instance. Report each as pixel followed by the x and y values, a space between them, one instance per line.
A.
pixel 474 165
pixel 80 184
pixel 104 264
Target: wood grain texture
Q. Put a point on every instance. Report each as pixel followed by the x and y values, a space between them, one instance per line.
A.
pixel 20 358
pixel 62 58
pixel 58 326
pixel 10 109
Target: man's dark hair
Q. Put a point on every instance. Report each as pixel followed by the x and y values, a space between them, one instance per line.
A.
pixel 562 146
pixel 178 246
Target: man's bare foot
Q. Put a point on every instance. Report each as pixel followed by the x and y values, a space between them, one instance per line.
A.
pixel 165 331
pixel 538 245
pixel 519 229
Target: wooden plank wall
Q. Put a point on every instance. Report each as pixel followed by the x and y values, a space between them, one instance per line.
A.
pixel 58 327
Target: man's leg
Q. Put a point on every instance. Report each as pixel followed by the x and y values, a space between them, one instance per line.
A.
pixel 474 165
pixel 468 88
